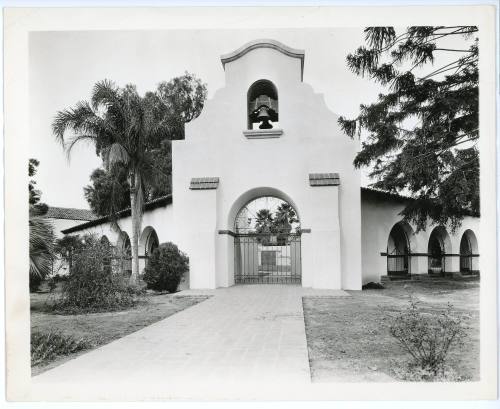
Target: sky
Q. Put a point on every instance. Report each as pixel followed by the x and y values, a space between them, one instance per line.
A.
pixel 65 65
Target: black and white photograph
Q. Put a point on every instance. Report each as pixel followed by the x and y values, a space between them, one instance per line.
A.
pixel 255 205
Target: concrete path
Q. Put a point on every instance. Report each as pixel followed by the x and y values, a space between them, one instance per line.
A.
pixel 241 335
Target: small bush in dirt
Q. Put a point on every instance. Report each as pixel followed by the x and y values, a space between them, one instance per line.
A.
pixel 91 285
pixel 165 268
pixel 428 338
pixel 45 347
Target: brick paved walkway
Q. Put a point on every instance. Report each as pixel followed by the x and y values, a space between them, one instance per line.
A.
pixel 243 334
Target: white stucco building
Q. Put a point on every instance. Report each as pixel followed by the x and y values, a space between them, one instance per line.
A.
pixel 267 141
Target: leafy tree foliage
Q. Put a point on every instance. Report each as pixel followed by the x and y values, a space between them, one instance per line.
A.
pixel 182 100
pixel 66 246
pixel 161 183
pixel 34 193
pixel 421 134
pixel 108 191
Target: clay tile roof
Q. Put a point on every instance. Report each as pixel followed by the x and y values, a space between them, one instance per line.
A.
pixel 152 204
pixel 70 214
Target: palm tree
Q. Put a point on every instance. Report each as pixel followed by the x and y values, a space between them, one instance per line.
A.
pixel 264 226
pixel 123 126
pixel 41 238
pixel 41 242
pixel 263 221
pixel 285 217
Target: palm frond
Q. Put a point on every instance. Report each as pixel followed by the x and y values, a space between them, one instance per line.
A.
pixel 75 119
pixel 116 153
pixel 105 93
pixel 68 146
pixel 41 246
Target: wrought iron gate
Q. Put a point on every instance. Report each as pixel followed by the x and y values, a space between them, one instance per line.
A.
pixel 267 258
pixel 465 263
pixel 397 263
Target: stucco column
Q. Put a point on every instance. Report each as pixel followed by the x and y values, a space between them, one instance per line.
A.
pixel 307 257
pixel 195 217
pixel 142 263
pixel 224 259
pixel 451 264
pixel 418 264
pixel 419 245
pixel 201 241
pixel 322 259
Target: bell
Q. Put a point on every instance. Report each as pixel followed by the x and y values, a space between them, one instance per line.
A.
pixel 263 110
pixel 264 117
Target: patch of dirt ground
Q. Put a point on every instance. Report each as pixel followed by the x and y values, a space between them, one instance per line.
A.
pixel 348 338
pixel 102 328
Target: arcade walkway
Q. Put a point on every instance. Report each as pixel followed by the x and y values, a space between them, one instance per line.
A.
pixel 242 335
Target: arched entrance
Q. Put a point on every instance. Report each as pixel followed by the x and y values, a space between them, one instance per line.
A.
pixel 267 243
pixel 468 253
pixel 439 244
pixel 398 250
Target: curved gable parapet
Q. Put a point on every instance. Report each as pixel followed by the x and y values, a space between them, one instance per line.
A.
pixel 265 43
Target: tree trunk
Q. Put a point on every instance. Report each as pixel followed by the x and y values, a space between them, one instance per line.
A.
pixel 136 221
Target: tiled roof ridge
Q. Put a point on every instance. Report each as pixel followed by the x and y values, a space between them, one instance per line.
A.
pixel 70 213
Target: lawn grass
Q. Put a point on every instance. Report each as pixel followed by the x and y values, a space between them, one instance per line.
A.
pixel 97 329
pixel 348 338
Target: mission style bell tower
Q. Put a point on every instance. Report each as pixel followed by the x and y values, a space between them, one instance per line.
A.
pixel 267 193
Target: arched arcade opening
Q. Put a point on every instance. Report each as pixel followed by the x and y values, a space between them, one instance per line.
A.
pixel 439 246
pixel 124 247
pixel 148 242
pixel 469 253
pixel 399 249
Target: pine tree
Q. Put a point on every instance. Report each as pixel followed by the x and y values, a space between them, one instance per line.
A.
pixel 420 136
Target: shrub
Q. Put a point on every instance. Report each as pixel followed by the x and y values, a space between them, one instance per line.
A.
pixel 35 282
pixel 165 268
pixel 427 337
pixel 45 347
pixel 52 283
pixel 91 285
